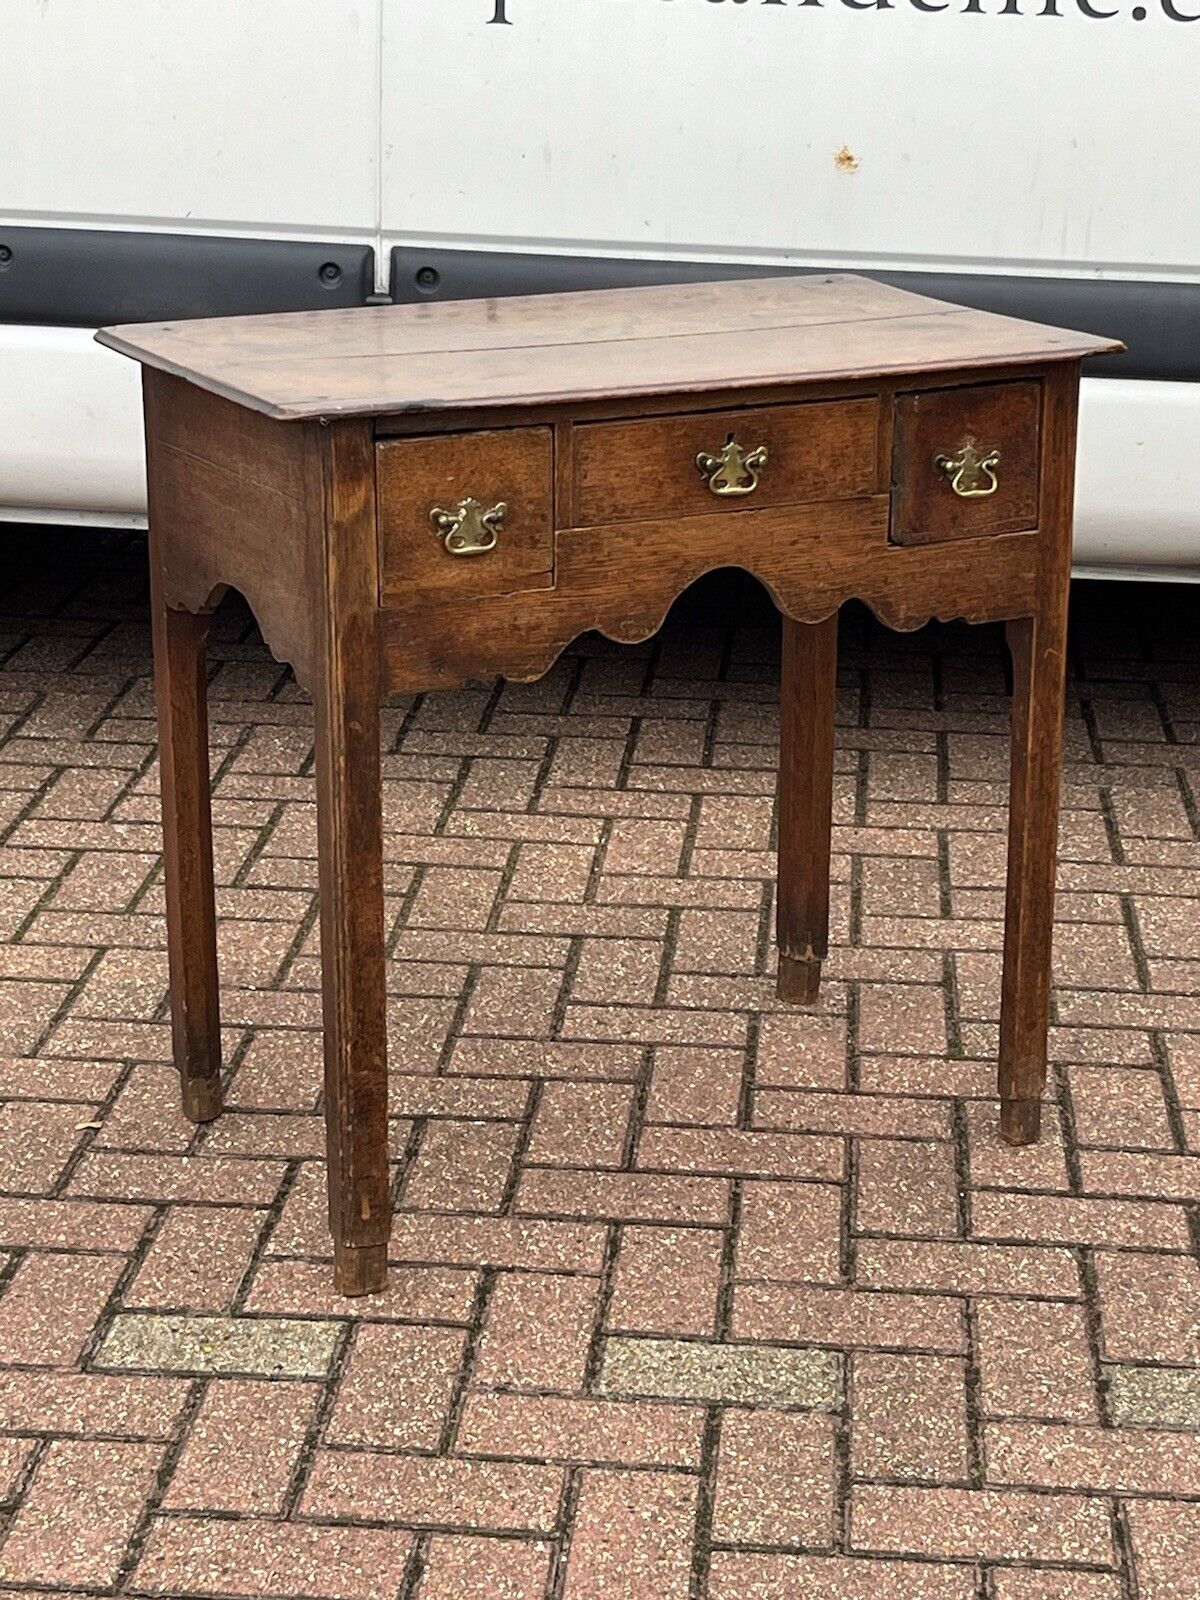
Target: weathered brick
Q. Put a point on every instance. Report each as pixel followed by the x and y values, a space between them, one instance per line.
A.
pixel 907 1187
pixel 425 1491
pixel 459 1565
pixel 81 1508
pixel 909 1418
pixel 1034 1360
pixel 997 1524
pixel 198 1259
pixel 667 1280
pixel 537 1333
pixel 775 1479
pixel 243 1447
pixel 1099 1460
pixel 629 1433
pixel 581 1124
pixel 1149 1307
pixel 397 1387
pixel 790 1232
pixel 260 1557
pixel 633 1536
pixel 1166 1547
pixel 51 1304
pixel 739 1575
pixel 90 1403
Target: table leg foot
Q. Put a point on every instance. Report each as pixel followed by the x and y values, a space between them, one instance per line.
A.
pixel 359 1270
pixel 202 1099
pixel 1020 1121
pixel 799 980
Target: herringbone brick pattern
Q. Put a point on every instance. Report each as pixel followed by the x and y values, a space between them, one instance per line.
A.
pixel 692 1296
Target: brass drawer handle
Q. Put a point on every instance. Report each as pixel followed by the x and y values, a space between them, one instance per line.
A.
pixel 972 472
pixel 733 471
pixel 470 529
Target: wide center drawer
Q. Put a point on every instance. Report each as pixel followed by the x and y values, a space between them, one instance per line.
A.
pixel 725 460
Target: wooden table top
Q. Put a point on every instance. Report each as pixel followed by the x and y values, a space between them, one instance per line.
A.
pixel 566 348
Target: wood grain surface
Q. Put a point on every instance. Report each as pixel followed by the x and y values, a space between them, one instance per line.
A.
pixel 612 343
pixel 991 416
pixel 509 466
pixel 627 471
pixel 597 415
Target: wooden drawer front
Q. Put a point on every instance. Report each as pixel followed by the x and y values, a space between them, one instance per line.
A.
pixel 986 439
pixel 513 467
pixel 631 471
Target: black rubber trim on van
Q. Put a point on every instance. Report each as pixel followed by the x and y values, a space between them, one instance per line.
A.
pixel 1159 321
pixel 87 278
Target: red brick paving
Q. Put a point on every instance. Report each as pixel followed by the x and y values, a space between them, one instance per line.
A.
pixel 606 1125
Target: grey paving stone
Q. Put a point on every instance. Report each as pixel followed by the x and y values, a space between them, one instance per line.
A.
pixel 265 1347
pixel 1154 1397
pixel 691 1369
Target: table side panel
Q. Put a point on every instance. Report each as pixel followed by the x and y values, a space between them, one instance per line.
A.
pixel 233 498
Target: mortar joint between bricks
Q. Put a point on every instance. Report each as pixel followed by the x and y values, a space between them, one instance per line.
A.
pixel 556 1578
pixel 961 1139
pixel 138 1538
pixel 404 726
pixel 843 1467
pixel 848 1228
pixel 666 963
pixel 951 1008
pixel 1161 1057
pixel 748 1084
pixel 414 1569
pixel 274 1211
pixel 114 1304
pixel 608 1268
pixel 533 1098
pixel 706 1494
pixel 319 1420
pixel 1123 1545
pixel 691 832
pixel 263 837
pixel 1059 1076
pixel 636 1121
pixel 973 1397
pixel 1085 1259
pixel 87 1136
pixel 1188 800
pixel 488 1280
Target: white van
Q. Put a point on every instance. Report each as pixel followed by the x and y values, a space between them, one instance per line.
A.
pixel 211 156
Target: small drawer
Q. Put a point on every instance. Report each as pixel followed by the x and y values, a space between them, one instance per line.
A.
pixel 760 456
pixel 965 462
pixel 466 514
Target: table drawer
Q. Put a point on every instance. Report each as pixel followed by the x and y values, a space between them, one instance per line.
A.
pixel 966 462
pixel 466 514
pixel 760 456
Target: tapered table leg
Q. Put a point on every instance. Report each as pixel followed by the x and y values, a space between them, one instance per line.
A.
pixel 1038 646
pixel 180 688
pixel 350 844
pixel 350 847
pixel 807 701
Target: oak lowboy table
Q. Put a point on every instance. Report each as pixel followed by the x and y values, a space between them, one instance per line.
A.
pixel 412 497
